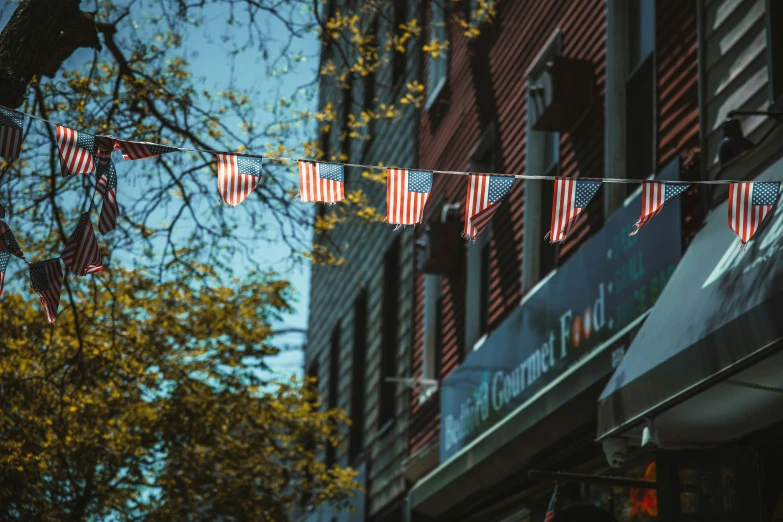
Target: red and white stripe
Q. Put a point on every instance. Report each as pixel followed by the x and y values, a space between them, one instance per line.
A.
pixel 10 142
pixel 744 217
pixel 110 209
pixel 563 211
pixel 50 299
pixel 81 253
pixel 478 211
pixel 234 188
pixel 73 159
pixel 134 150
pixel 653 194
pixel 105 145
pixel 403 207
pixel 313 188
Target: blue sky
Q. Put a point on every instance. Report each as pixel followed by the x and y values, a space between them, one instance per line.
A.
pixel 206 51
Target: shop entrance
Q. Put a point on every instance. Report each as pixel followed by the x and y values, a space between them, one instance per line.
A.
pixel 720 485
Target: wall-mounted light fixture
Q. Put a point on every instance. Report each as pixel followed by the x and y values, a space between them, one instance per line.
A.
pixel 734 143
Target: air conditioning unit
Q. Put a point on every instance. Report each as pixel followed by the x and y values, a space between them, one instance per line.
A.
pixel 562 94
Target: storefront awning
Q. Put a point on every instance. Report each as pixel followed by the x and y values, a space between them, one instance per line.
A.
pixel 721 312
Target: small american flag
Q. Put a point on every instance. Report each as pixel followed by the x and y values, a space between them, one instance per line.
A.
pixel 105 145
pixel 324 182
pixel 81 253
pixel 749 203
pixel 237 177
pixel 552 509
pixel 406 194
pixel 8 241
pixel 77 151
pixel 571 196
pixel 10 133
pixel 485 194
pixel 4 257
pixel 47 279
pixel 107 187
pixel 134 150
pixel 655 197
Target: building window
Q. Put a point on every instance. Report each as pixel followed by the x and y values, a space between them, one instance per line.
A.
pixel 334 386
pixel 542 155
pixel 389 330
pixel 398 58
pixel 309 442
pixel 433 335
pixel 357 377
pixel 437 72
pixel 483 159
pixel 775 51
pixel 640 89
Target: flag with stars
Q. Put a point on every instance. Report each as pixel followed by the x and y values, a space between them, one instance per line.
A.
pixel 47 279
pixel 324 182
pixel 77 151
pixel 8 241
pixel 237 177
pixel 571 196
pixel 81 253
pixel 4 257
pixel 552 509
pixel 134 150
pixel 485 194
pixel 107 187
pixel 749 204
pixel 10 133
pixel 655 197
pixel 406 194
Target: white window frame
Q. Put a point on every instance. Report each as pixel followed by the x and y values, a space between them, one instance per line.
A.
pixel 439 30
pixel 534 165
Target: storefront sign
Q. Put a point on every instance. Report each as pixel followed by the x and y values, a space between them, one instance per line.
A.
pixel 604 286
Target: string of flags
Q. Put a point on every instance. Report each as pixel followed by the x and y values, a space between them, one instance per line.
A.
pixel 407 192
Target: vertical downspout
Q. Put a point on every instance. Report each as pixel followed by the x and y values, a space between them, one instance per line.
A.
pixel 614 106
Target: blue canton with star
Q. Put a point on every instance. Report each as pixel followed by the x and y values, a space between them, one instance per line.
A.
pixel 38 278
pixel 86 141
pixel 156 149
pixel 108 171
pixel 9 242
pixel 419 181
pixel 765 194
pixel 249 166
pixel 4 257
pixel 11 119
pixel 499 187
pixel 331 172
pixel 585 190
pixel 672 191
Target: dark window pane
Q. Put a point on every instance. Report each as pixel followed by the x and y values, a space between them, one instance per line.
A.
pixel 334 385
pixel 389 334
pixel 641 31
pixel 484 294
pixel 641 121
pixel 548 253
pixel 358 369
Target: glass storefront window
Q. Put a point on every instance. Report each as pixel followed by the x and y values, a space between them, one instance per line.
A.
pixel 628 504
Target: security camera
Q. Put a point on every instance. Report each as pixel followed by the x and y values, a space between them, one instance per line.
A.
pixel 615 450
pixel 650 436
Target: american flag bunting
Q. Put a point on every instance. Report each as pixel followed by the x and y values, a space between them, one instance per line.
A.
pixel 406 194
pixel 10 133
pixel 47 279
pixel 552 509
pixel 107 187
pixel 8 241
pixel 485 194
pixel 81 253
pixel 77 151
pixel 4 257
pixel 324 182
pixel 135 150
pixel 655 197
pixel 749 204
pixel 570 198
pixel 105 145
pixel 237 177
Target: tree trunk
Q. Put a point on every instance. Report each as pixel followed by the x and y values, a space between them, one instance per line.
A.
pixel 40 35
